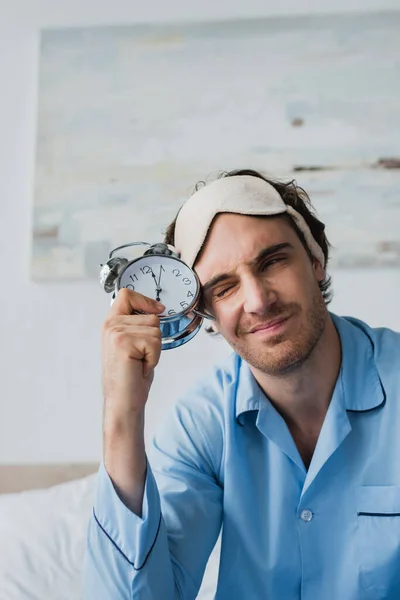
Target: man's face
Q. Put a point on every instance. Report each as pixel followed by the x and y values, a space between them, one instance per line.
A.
pixel 262 288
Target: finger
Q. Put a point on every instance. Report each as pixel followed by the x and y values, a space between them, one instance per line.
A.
pixel 128 301
pixel 152 356
pixel 135 332
pixel 120 321
pixel 144 348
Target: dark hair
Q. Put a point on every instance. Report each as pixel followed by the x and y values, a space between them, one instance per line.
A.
pixel 294 196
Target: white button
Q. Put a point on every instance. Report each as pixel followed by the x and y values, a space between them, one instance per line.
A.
pixel 306 515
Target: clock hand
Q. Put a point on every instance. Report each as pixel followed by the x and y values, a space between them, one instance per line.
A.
pixel 158 289
pixel 159 278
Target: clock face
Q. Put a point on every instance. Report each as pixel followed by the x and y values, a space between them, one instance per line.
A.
pixel 163 278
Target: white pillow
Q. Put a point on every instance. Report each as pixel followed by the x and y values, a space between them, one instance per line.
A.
pixel 42 541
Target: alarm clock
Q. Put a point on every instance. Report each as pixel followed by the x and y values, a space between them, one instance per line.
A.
pixel 159 274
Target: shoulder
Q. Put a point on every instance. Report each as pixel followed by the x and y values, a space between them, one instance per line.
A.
pixel 386 342
pixel 213 388
pixel 196 423
pixel 211 398
pixel 386 352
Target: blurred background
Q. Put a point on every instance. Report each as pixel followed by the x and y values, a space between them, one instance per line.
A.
pixel 284 88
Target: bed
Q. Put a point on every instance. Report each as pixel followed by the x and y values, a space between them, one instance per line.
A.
pixel 44 511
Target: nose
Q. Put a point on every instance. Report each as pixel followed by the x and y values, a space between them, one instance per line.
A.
pixel 257 295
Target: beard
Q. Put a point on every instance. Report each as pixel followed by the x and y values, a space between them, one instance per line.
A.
pixel 285 352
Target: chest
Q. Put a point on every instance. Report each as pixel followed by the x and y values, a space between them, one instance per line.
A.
pixel 305 443
pixel 276 515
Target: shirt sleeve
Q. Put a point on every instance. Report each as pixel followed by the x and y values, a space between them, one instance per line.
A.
pixel 163 554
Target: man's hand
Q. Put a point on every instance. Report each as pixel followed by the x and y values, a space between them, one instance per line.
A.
pixel 130 351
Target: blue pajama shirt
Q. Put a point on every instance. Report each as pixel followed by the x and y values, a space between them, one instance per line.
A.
pixel 225 458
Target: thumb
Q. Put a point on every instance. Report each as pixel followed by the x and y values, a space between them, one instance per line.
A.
pixel 128 302
pixel 148 372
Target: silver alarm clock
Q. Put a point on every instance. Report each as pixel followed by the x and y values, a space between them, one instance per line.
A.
pixel 159 274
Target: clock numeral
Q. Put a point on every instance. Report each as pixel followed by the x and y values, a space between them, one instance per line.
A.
pixel 145 270
pixel 133 276
pixel 130 287
pixel 184 304
pixel 187 281
pixel 190 294
pixel 171 312
pixel 177 273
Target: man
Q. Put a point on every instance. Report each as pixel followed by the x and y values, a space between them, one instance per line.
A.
pixel 291 446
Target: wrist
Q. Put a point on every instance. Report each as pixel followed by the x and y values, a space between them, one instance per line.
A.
pixel 124 448
pixel 126 422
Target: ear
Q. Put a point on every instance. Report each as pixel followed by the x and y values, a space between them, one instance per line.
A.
pixel 319 270
pixel 212 327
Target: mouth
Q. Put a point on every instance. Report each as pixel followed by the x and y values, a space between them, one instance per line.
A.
pixel 270 326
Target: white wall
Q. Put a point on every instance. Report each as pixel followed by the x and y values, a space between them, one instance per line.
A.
pixel 50 402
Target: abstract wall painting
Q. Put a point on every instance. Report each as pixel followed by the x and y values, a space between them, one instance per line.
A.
pixel 131 117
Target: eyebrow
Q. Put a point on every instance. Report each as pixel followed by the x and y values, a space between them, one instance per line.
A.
pixel 265 253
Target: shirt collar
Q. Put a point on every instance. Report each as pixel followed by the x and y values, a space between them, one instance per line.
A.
pixel 362 388
pixel 249 395
pixel 361 385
